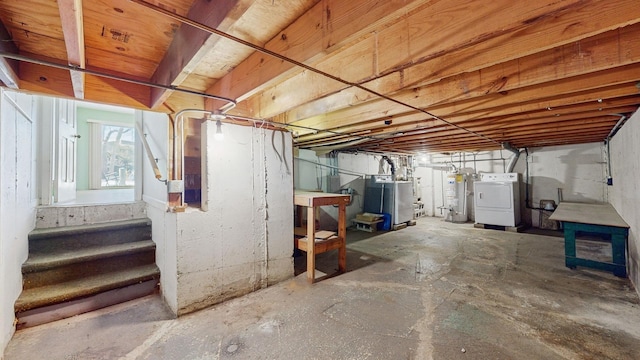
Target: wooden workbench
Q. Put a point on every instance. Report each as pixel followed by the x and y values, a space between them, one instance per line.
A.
pixel 595 218
pixel 312 200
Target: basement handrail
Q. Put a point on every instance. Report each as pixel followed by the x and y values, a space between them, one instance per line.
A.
pixel 152 160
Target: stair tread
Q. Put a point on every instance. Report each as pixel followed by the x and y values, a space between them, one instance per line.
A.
pixel 88 228
pixel 41 261
pixel 57 293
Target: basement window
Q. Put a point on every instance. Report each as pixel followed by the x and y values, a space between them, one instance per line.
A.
pixel 113 155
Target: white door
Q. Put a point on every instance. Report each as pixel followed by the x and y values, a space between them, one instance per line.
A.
pixel 494 195
pixel 65 177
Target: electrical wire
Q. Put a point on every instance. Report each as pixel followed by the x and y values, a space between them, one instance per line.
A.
pixel 200 26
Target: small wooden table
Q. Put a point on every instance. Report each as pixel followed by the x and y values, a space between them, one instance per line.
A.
pixel 595 218
pixel 311 200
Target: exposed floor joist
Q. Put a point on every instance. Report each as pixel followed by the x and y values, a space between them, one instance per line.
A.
pixel 364 74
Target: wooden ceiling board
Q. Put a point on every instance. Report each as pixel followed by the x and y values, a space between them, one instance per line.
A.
pixel 20 15
pixel 411 121
pixel 554 31
pixel 134 68
pixel 45 80
pixel 121 27
pixel 308 39
pixel 33 43
pixel 253 26
pixel 35 32
pixel 548 72
pixel 557 89
pixel 109 90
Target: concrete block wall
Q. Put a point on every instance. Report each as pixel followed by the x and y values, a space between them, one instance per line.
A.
pixel 58 216
pixel 241 240
pixel 18 201
pixel 624 195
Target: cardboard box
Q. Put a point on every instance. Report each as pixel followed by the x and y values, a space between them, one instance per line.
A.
pixel 368 217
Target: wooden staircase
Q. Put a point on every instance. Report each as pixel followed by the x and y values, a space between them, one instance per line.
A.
pixel 75 269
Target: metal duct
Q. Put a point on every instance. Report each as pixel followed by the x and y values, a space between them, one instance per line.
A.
pixel 514 159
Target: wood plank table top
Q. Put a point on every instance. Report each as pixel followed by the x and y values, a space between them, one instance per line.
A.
pixel 596 214
pixel 312 199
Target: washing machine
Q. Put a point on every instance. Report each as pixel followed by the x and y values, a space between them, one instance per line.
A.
pixel 497 199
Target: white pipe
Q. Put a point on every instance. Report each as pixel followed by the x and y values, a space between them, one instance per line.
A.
pixel 180 120
pixel 17 107
pixel 332 167
pixel 608 148
pixel 615 127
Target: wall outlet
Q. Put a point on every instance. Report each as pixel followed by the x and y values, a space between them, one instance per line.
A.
pixel 175 186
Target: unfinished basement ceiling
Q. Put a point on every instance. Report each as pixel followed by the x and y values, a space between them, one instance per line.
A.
pixel 384 76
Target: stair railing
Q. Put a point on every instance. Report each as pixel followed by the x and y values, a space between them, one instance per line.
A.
pixel 152 159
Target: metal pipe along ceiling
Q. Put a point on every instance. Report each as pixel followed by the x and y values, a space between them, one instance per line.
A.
pixel 230 103
pixel 197 25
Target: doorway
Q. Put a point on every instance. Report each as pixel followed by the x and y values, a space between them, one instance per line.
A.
pixel 94 154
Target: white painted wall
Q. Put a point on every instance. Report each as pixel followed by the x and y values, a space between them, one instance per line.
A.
pixel 578 170
pixel 18 200
pixel 624 195
pixel 155 128
pixel 243 241
pixel 352 169
pixel 366 164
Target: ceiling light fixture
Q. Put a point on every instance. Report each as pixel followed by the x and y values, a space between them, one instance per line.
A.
pixel 219 136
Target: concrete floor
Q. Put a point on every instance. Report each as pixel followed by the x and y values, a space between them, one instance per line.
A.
pixel 432 291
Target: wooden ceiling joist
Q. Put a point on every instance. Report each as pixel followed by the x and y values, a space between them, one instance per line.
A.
pixel 190 45
pixel 396 76
pixel 551 44
pixel 8 67
pixel 73 30
pixel 417 122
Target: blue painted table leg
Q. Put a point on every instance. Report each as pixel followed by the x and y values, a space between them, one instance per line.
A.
pixel 569 246
pixel 618 248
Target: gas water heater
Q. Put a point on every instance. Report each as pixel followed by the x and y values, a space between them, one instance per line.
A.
pixel 456 197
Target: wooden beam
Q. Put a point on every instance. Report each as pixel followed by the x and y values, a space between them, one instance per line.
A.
pixel 326 27
pixel 8 67
pixel 540 36
pixel 73 30
pixel 415 121
pixel 553 94
pixel 414 131
pixel 506 134
pixel 593 96
pixel 560 89
pixel 461 143
pixel 190 45
pixel 440 133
